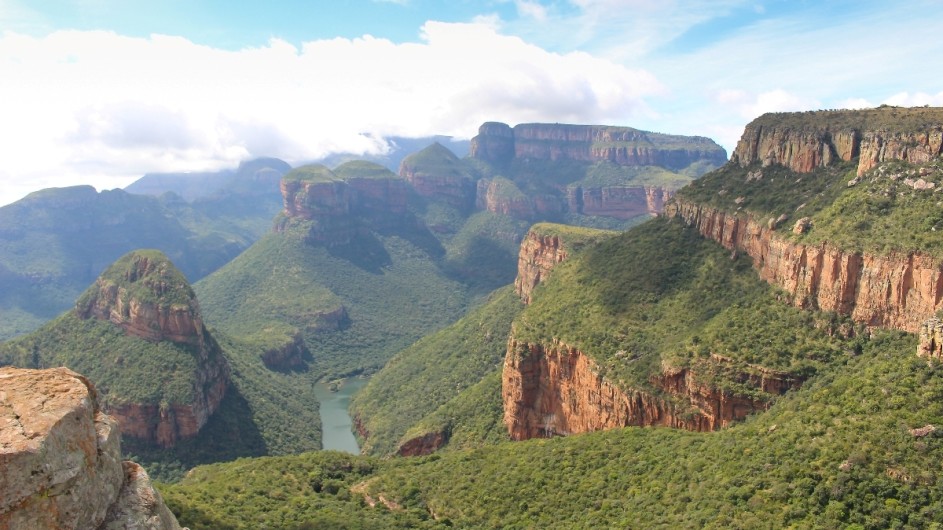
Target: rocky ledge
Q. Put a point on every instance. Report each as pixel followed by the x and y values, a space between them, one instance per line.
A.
pixel 60 459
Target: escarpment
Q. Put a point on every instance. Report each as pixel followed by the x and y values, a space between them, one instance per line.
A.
pixel 61 459
pixel 625 146
pixel 803 142
pixel 620 202
pixel 897 291
pixel 555 389
pixel 436 173
pixel 147 297
pixel 345 202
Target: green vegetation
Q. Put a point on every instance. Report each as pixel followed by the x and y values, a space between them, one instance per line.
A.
pixel 390 286
pixel 55 242
pixel 837 453
pixel 606 173
pixel 483 253
pixel 884 118
pixel 310 173
pixel 437 160
pixel 660 293
pixel 363 169
pixel 431 372
pixel 126 369
pixel 880 212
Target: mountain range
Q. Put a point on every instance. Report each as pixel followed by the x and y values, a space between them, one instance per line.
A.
pixel 762 353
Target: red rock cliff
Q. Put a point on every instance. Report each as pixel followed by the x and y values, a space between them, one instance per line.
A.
pixel 147 297
pixel 823 138
pixel 557 390
pixel 435 172
pixel 592 143
pixel 619 202
pixel 897 291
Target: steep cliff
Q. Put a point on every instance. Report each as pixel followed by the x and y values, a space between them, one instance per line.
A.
pixel 803 142
pixel 343 203
pixel 60 459
pixel 144 295
pixel 546 245
pixel 893 291
pixel 558 390
pixel 592 143
pixel 620 202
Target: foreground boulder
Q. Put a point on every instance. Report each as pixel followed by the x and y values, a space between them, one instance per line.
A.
pixel 60 459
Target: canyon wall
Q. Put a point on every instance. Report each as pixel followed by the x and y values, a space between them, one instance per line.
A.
pixel 871 135
pixel 623 146
pixel 897 291
pixel 436 173
pixel 619 202
pixel 555 389
pixel 61 462
pixel 539 254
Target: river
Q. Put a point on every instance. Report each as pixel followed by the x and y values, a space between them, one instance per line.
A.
pixel 336 425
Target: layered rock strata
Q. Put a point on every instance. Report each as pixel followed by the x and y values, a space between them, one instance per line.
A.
pixel 423 445
pixel 832 136
pixel 436 173
pixel 343 205
pixel 619 202
pixel 60 459
pixel 498 143
pixel 558 390
pixel 147 297
pixel 538 255
pixel 898 291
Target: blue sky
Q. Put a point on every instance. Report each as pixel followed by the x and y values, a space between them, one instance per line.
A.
pixel 103 91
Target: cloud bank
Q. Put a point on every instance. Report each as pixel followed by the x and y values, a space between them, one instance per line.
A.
pixel 101 108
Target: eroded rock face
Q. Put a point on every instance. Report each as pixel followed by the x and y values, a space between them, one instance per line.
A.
pixel 423 445
pixel 931 339
pixel 539 254
pixel 288 356
pixel 862 134
pixel 619 202
pixel 897 291
pixel 60 458
pixel 557 390
pixel 138 506
pixel 623 146
pixel 143 294
pixel 436 173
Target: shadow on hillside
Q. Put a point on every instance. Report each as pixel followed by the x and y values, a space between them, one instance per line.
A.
pixel 229 434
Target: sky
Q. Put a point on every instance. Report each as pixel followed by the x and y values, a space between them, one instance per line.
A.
pixel 101 92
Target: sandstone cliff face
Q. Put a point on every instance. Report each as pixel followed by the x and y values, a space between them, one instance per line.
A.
pixel 343 208
pixel 143 294
pixel 60 461
pixel 539 254
pixel 894 291
pixel 619 202
pixel 557 390
pixel 861 134
pixel 592 143
pixel 931 339
pixel 494 195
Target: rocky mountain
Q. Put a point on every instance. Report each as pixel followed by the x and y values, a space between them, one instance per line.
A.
pixel 138 319
pixel 60 459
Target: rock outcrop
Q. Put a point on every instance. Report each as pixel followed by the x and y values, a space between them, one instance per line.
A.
pixel 619 202
pixel 501 196
pixel 803 142
pixel 147 297
pixel 931 339
pixel 423 445
pixel 343 203
pixel 555 389
pixel 544 247
pixel 288 355
pixel 436 173
pixel 898 291
pixel 623 146
pixel 60 459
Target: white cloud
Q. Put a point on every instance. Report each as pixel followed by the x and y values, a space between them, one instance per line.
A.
pixel 101 108
pixel 534 10
pixel 905 99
